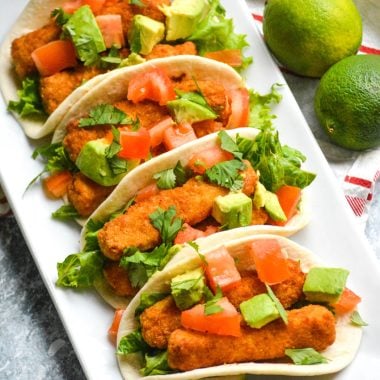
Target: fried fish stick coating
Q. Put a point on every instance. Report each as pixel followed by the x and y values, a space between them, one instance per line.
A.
pixel 117 278
pixel 151 9
pixel 165 50
pixel 288 292
pixel 159 321
pixel 76 137
pixel 312 326
pixel 22 48
pixel 86 195
pixel 55 88
pixel 193 202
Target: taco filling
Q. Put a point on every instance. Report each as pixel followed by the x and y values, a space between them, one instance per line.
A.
pixel 248 304
pixel 217 188
pixel 158 113
pixel 85 38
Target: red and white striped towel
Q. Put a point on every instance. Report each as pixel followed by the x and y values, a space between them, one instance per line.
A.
pixel 358 182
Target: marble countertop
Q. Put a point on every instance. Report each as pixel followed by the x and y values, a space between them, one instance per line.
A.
pixel 33 342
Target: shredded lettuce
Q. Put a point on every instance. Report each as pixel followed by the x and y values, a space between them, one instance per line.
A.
pixel 148 300
pixel 131 343
pixel 80 270
pixel 29 102
pixel 305 356
pixel 156 364
pixel 216 32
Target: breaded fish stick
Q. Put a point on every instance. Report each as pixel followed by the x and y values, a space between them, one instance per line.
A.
pixel 193 203
pixel 288 292
pixel 159 321
pixel 312 326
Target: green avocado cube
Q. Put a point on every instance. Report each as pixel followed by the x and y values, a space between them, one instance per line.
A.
pixel 144 34
pixel 93 163
pixel 187 289
pixel 187 111
pixel 233 210
pixel 182 17
pixel 259 195
pixel 259 311
pixel 325 284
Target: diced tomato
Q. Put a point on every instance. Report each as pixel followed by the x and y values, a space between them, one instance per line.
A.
pixel 271 264
pixel 201 161
pixel 178 135
pixel 289 197
pixel 56 184
pixel 225 322
pixel 54 57
pixel 231 57
pixel 221 270
pixel 112 30
pixel 239 102
pixel 188 233
pixel 347 302
pixel 153 84
pixel 134 144
pixel 157 131
pixel 147 192
pixel 112 331
pixel 71 6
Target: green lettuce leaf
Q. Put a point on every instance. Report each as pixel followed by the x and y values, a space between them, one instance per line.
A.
pixel 83 30
pixel 156 364
pixel 357 320
pixel 29 102
pixel 305 356
pixel 148 300
pixel 216 32
pixel 79 270
pixel 277 165
pixel 131 343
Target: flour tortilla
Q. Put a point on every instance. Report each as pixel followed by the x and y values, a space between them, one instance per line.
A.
pixel 339 355
pixel 34 16
pixel 142 176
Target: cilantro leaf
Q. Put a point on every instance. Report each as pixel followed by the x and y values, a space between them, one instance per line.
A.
pixel 277 166
pixel 60 16
pixel 170 178
pixel 278 304
pixel 226 174
pixel 139 3
pixel 65 212
pixel 260 113
pixel 216 32
pixel 104 114
pixel 29 102
pixel 84 31
pixel 229 145
pixel 131 343
pixel 79 270
pixel 305 356
pixel 211 306
pixel 147 300
pixel 166 223
pixel 156 364
pixel 357 320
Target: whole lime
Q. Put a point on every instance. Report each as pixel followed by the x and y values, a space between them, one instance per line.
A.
pixel 347 102
pixel 309 36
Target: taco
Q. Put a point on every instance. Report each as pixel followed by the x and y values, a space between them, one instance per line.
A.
pixel 136 114
pixel 243 307
pixel 224 185
pixel 57 48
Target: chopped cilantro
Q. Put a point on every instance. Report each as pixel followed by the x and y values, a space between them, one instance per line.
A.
pixel 166 223
pixel 305 356
pixel 66 212
pixel 60 16
pixel 104 114
pixel 226 174
pixel 29 102
pixel 139 3
pixel 211 306
pixel 229 145
pixel 278 304
pixel 170 178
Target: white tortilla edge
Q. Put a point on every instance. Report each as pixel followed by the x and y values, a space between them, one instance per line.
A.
pixel 339 354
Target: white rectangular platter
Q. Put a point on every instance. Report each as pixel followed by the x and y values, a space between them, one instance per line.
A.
pixel 332 233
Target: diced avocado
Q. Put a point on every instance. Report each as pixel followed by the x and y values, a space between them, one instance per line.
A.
pixel 92 162
pixel 187 289
pixel 182 17
pixel 188 111
pixel 132 59
pixel 233 210
pixel 144 34
pixel 273 208
pixel 325 284
pixel 259 195
pixel 259 311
